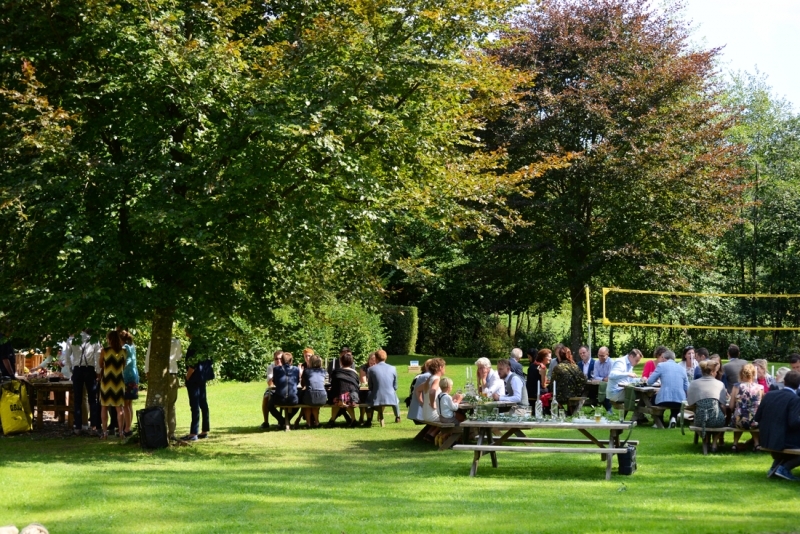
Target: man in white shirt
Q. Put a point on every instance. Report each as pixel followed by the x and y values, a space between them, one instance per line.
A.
pixel 175 354
pixel 514 386
pixel 83 360
pixel 621 374
pixel 586 363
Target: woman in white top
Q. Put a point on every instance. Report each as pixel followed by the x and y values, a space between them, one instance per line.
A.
pixel 489 381
pixel 431 390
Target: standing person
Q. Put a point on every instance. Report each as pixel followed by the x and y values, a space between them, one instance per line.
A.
pixel 112 383
pixel 516 367
pixel 382 380
pixel 778 418
pixel 175 354
pixel 745 398
pixel 131 376
pixel 731 370
pixel 276 360
pixel 586 363
pixel 198 371
pixel 83 359
pixel 569 380
pixel 674 385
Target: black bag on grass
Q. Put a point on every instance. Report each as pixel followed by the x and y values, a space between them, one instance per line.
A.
pixel 627 461
pixel 152 428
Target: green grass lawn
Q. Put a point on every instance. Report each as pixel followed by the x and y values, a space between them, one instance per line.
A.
pixel 376 480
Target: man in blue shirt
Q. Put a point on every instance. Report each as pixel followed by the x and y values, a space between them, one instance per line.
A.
pixel 602 367
pixel 621 374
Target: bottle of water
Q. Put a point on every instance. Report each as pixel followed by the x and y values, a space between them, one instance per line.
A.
pixel 554 410
pixel 539 410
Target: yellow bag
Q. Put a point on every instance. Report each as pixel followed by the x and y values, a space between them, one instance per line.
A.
pixel 15 410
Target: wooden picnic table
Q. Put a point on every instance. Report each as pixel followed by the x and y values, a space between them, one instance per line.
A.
pixel 61 404
pixel 644 404
pixel 514 432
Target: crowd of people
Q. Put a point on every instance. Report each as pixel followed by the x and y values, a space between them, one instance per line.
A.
pixel 312 385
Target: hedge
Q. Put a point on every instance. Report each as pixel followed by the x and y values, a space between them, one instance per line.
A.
pixel 402 325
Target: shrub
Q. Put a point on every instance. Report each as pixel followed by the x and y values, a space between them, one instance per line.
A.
pixel 402 325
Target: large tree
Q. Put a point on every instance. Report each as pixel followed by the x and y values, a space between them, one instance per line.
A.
pixel 619 88
pixel 168 159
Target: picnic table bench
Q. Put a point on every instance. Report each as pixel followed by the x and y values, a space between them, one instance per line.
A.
pixel 710 432
pixel 363 407
pixel 513 432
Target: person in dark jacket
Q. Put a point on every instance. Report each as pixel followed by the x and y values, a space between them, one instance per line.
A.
pixel 286 377
pixel 345 384
pixel 198 366
pixel 778 418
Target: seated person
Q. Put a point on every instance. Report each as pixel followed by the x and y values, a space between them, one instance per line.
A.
pixel 709 398
pixel 417 387
pixel 516 367
pixel 650 365
pixel 674 385
pixel 568 379
pixel 745 398
pixel 362 371
pixel 314 394
pixel 621 375
pixel 537 374
pixel 602 366
pixel 383 386
pixel 586 362
pixel 447 408
pixel 276 360
pixel 286 377
pixel 513 385
pixel 344 388
pixel 780 374
pixel 778 418
pixel 489 382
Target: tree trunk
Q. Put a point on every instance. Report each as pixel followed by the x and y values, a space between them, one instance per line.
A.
pixel 510 317
pixel 576 324
pixel 158 374
pixel 612 351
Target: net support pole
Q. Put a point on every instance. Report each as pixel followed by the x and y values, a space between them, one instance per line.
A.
pixel 588 319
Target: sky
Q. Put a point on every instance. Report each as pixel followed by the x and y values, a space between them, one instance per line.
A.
pixel 756 33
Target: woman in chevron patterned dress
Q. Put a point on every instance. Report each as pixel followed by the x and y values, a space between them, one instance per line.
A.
pixel 112 385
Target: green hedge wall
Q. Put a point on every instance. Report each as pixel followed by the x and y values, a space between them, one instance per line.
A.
pixel 402 325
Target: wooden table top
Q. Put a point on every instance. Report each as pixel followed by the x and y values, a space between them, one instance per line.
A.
pixel 546 424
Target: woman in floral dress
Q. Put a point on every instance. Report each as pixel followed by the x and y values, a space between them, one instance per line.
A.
pixel 745 398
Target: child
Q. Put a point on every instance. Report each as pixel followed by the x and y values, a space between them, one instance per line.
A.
pixel 447 407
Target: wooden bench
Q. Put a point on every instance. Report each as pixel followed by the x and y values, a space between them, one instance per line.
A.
pixel 363 408
pixel 784 451
pixel 607 452
pixel 713 432
pixel 451 439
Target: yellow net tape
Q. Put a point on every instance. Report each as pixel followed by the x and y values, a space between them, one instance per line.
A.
pixel 607 322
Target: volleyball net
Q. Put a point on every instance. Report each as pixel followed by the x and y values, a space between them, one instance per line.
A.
pixel 705 311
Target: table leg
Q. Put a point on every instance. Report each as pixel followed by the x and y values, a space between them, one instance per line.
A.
pixel 68 403
pixel 39 410
pixel 476 457
pixel 59 399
